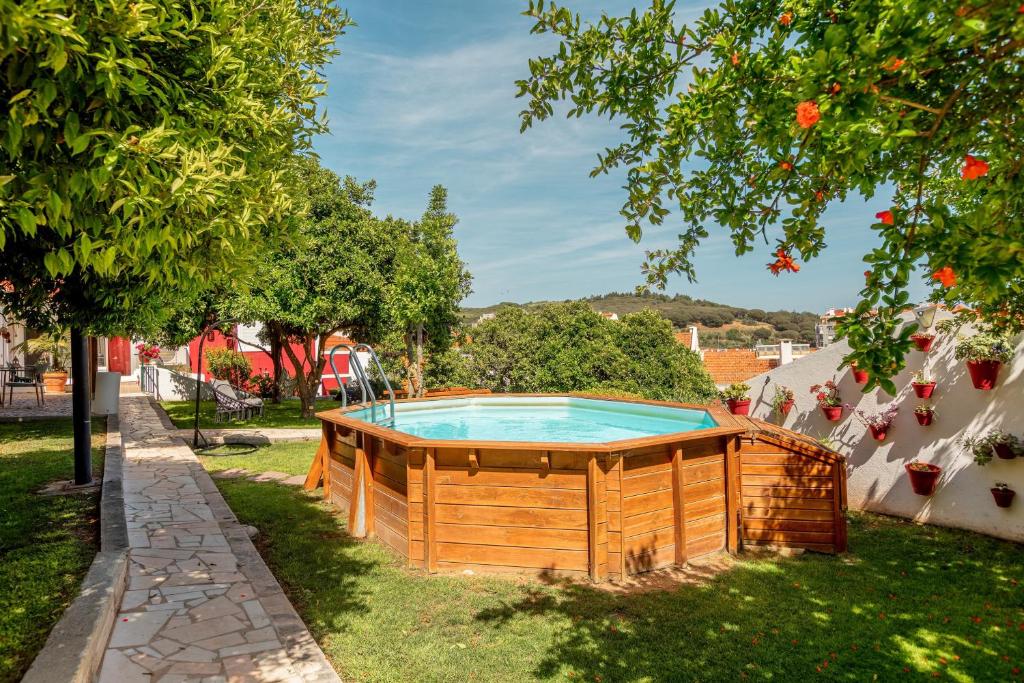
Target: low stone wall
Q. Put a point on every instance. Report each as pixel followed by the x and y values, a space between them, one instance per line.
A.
pixel 75 647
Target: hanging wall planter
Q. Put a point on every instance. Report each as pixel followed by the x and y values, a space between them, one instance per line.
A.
pixel 737 397
pixel 923 477
pixel 984 352
pixel 1003 494
pixel 878 433
pixel 879 423
pixel 924 414
pixel 984 373
pixel 923 342
pixel 995 443
pixel 859 376
pixel 782 400
pixel 924 390
pixel 832 413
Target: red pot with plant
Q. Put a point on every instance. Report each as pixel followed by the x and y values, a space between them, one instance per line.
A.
pixel 737 397
pixel 878 423
pixel 995 443
pixel 783 400
pixel 829 400
pixel 923 477
pixel 923 341
pixel 924 414
pixel 859 376
pixel 1004 450
pixel 984 373
pixel 1003 494
pixel 924 385
pixel 985 353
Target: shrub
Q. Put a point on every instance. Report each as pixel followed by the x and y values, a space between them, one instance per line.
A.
pixel 229 365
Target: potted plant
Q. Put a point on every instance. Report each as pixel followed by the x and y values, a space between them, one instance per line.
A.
pixel 924 384
pixel 924 414
pixel 737 397
pixel 782 401
pixel 878 423
pixel 1003 494
pixel 859 376
pixel 985 353
pixel 147 352
pixel 56 348
pixel 923 341
pixel 996 443
pixel 829 401
pixel 923 477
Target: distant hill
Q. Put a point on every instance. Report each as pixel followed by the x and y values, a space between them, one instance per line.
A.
pixel 720 325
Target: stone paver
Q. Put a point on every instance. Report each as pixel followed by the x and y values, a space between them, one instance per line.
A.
pixel 200 604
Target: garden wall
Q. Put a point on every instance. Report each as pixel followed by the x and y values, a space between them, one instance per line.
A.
pixel 877 480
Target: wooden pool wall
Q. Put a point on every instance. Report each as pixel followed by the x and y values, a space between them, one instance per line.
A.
pixel 600 510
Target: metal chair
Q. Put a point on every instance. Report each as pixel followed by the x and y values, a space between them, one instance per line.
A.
pixel 232 402
pixel 30 377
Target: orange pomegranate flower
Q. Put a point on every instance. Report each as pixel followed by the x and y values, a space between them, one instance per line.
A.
pixel 893 64
pixel 835 88
pixel 783 262
pixel 973 168
pixel 885 217
pixel 785 166
pixel 735 58
pixel 786 19
pixel 819 195
pixel 807 114
pixel 945 275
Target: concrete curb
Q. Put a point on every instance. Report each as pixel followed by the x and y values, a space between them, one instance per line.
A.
pixel 76 645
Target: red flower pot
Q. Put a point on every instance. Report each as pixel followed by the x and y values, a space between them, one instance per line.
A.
pixel 1003 497
pixel 832 413
pixel 924 390
pixel 786 407
pixel 860 376
pixel 983 373
pixel 924 419
pixel 923 481
pixel 923 342
pixel 878 433
pixel 738 407
pixel 1004 451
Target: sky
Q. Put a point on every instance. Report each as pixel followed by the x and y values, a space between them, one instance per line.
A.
pixel 424 93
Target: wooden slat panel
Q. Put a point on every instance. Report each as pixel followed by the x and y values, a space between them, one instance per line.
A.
pixel 824 526
pixel 526 537
pixel 637 505
pixel 645 542
pixel 509 556
pixel 649 521
pixel 806 468
pixel 652 559
pixel 511 516
pixel 789 536
pixel 706 526
pixel 517 459
pixel 391 537
pixel 696 547
pixel 750 501
pixel 818 547
pixel 703 508
pixel 513 496
pixel 755 513
pixel 700 451
pixel 387 469
pixel 457 567
pixel 704 472
pixel 646 483
pixel 788 492
pixel 704 489
pixel 492 476
pixel 813 482
pixel 394 504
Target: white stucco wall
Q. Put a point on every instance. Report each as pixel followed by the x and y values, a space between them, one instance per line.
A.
pixel 877 479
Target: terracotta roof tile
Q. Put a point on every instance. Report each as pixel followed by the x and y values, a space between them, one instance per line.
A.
pixel 727 366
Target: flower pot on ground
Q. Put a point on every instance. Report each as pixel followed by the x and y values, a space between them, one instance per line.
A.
pixel 737 397
pixel 878 423
pixel 923 477
pixel 54 382
pixel 1003 494
pixel 984 352
pixel 829 400
pixel 923 341
pixel 782 400
pixel 924 414
pixel 924 385
pixel 984 373
pixel 996 443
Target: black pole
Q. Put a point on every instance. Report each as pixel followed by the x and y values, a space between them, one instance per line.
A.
pixel 80 407
pixel 199 383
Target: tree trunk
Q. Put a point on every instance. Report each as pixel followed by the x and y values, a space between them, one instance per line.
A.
pixel 411 367
pixel 419 360
pixel 307 381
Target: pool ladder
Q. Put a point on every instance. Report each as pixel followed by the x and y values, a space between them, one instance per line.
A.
pixel 357 370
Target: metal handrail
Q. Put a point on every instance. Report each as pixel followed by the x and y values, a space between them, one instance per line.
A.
pixel 387 385
pixel 356 368
pixel 337 377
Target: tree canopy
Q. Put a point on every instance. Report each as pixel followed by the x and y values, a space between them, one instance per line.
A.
pixel 759 114
pixel 570 347
pixel 142 145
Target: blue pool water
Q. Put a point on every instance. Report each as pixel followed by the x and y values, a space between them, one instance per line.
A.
pixel 539 419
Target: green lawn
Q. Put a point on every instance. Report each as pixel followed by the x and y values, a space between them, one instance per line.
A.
pixel 291 457
pixel 908 602
pixel 275 415
pixel 46 542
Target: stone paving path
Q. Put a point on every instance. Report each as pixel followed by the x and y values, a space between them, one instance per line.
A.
pixel 201 604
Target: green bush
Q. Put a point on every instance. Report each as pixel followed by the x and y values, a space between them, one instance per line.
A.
pixel 229 365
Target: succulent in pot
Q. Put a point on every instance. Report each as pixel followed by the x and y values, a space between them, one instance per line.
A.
pixel 1003 494
pixel 923 477
pixel 924 384
pixel 878 423
pixel 996 443
pixel 925 414
pixel 737 397
pixel 782 400
pixel 923 341
pixel 829 400
pixel 984 352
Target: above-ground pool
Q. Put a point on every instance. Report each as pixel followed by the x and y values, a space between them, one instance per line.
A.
pixel 538 418
pixel 584 486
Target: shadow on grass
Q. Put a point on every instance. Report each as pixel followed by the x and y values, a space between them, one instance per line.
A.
pixel 911 599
